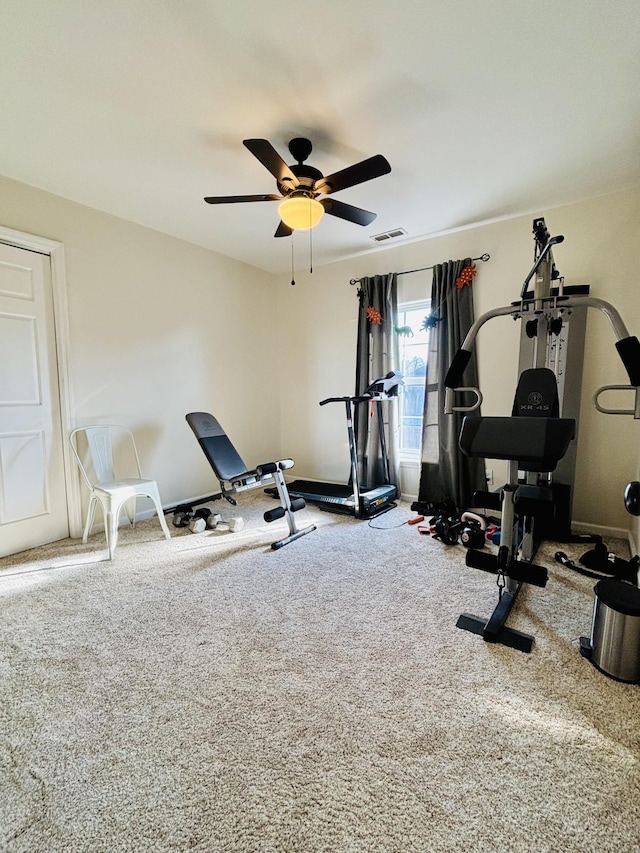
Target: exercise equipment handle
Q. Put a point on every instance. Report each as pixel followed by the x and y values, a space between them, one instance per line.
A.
pixel 635 412
pixel 366 398
pixel 627 345
pixel 334 400
pixel 449 408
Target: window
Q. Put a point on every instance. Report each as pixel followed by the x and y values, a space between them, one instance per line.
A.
pixel 414 346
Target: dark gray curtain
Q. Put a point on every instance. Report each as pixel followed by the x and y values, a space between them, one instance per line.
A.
pixel 447 475
pixel 376 355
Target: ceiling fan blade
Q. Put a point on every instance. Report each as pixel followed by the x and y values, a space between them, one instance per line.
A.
pixel 283 230
pixel 366 170
pixel 235 199
pixel 264 151
pixel 347 211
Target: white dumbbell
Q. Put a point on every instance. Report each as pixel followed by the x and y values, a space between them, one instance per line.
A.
pixel 199 521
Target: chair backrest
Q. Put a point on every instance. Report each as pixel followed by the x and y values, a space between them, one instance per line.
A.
pixel 100 441
pixel 216 445
pixel 537 394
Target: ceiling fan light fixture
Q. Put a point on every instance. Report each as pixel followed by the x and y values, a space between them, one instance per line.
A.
pixel 300 212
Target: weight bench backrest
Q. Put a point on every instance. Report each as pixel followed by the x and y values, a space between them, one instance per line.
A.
pixel 537 394
pixel 222 455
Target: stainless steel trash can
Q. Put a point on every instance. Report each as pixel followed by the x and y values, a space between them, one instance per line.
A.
pixel 615 630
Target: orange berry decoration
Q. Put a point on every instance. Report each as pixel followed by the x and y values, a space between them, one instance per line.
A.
pixel 374 315
pixel 466 276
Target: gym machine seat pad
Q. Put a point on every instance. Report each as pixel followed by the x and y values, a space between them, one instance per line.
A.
pixel 537 443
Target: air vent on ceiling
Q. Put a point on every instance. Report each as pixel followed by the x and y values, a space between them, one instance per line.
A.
pixel 389 235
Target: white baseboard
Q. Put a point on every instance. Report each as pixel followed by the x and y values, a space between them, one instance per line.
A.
pixel 150 511
pixel 601 530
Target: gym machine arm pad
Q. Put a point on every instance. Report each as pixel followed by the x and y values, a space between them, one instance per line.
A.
pixel 453 379
pixel 629 352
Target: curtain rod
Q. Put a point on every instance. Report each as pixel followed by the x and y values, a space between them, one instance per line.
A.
pixel 484 257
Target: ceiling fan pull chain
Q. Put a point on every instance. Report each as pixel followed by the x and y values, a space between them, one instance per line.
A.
pixel 310 246
pixel 293 281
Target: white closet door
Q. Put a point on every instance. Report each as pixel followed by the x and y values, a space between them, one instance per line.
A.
pixel 33 501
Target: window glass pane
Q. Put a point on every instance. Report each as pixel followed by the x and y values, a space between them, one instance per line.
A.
pixel 412 407
pixel 414 347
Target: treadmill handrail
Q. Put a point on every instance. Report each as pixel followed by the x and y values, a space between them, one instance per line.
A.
pixel 334 400
pixel 364 398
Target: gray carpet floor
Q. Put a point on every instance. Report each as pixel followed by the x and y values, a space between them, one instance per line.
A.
pixel 209 694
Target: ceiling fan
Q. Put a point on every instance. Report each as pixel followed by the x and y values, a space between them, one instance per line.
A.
pixel 300 185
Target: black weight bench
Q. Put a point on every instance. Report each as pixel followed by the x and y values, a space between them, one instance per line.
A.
pixel 234 476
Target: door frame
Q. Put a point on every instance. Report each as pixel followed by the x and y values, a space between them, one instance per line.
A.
pixel 55 251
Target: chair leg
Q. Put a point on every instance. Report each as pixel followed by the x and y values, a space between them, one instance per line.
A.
pixel 91 513
pixel 155 497
pixel 111 517
pixel 154 494
pixel 112 511
pixel 130 509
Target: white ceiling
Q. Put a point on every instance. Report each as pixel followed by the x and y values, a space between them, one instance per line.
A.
pixel 483 109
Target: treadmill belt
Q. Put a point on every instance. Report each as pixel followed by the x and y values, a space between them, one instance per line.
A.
pixel 336 497
pixel 310 487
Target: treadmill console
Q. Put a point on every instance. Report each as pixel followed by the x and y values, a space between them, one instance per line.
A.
pixel 385 387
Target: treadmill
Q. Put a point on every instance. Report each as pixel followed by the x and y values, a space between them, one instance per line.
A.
pixel 351 499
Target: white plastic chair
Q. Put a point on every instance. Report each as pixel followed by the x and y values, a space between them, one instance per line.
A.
pixel 111 493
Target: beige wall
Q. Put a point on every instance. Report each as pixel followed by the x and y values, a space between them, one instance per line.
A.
pixel 158 328
pixel 600 249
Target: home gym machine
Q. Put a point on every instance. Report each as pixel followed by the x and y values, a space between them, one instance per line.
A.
pixel 532 440
pixel 352 499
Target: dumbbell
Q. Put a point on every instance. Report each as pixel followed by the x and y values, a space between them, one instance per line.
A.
pixel 199 521
pixel 234 525
pixel 182 515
